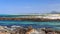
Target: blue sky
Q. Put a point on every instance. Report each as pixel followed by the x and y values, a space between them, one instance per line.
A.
pixel 28 6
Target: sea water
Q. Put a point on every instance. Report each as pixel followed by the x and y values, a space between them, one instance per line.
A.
pixel 52 24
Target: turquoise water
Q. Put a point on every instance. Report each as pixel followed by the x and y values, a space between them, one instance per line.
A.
pixel 52 24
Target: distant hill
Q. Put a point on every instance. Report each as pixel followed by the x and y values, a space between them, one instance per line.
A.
pixel 55 12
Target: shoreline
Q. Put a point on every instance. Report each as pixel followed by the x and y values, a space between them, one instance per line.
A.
pixel 19 29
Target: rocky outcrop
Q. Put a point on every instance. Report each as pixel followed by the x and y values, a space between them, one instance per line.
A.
pixel 31 19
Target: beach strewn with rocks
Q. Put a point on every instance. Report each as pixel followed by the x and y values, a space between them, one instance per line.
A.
pixel 29 30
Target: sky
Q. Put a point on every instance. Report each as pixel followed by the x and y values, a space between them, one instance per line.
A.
pixel 28 6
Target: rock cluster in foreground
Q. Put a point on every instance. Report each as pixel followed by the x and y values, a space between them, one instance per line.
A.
pixel 28 30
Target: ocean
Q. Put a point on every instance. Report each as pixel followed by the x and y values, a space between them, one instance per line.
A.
pixel 52 24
